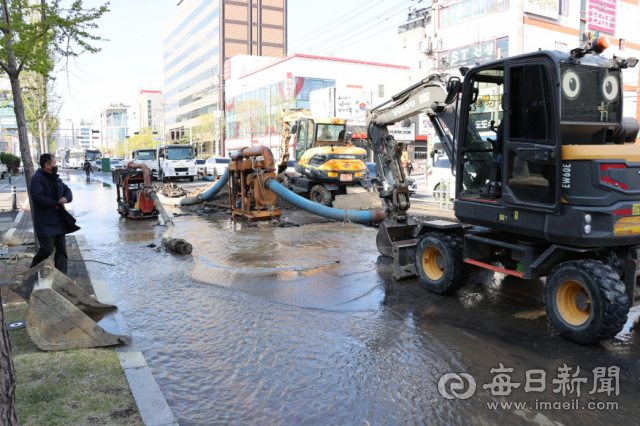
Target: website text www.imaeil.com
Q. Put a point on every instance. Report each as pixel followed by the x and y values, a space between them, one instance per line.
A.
pixel 568 382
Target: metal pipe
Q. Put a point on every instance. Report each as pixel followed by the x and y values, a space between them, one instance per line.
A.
pixel 365 216
pixel 145 173
pixel 265 152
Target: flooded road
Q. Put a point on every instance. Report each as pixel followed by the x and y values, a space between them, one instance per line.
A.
pixel 305 326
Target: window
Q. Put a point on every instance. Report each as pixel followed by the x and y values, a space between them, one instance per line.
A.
pixel 530 104
pixel 503 48
pixel 561 47
pixel 564 7
pixel 532 181
pixel 301 140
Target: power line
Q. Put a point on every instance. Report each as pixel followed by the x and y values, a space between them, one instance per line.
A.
pixel 299 42
pixel 356 28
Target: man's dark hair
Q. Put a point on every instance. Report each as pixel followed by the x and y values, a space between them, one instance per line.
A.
pixel 45 159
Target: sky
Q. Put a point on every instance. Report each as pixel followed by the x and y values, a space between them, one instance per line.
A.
pixel 132 59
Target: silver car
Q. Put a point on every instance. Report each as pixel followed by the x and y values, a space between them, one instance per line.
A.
pixel 216 166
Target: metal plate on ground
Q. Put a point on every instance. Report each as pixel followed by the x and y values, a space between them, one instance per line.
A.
pixel 16 325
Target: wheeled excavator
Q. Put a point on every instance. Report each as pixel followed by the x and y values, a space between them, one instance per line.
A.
pixel 553 190
pixel 325 163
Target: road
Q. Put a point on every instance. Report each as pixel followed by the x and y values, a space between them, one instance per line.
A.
pixel 305 326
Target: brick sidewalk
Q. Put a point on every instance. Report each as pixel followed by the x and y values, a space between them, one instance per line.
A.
pixel 76 270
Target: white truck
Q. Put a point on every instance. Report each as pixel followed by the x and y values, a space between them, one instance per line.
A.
pixel 176 161
pixel 148 157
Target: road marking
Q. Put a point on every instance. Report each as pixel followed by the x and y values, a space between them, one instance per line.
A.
pixel 14 180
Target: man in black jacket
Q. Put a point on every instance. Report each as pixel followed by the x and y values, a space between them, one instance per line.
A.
pixel 49 195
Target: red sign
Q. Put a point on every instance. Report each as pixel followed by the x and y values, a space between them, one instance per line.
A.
pixel 151 91
pixel 227 70
pixel 602 15
pixel 288 90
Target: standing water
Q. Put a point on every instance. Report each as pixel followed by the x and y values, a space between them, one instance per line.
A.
pixel 305 326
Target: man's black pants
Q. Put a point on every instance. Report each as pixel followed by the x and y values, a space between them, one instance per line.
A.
pixel 47 245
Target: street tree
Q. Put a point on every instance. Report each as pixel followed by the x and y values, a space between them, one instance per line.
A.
pixel 252 114
pixel 32 34
pixel 42 107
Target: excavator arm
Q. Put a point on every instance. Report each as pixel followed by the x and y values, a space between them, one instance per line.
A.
pixel 433 95
pixel 289 117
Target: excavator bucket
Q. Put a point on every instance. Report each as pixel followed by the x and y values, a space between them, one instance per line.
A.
pixel 59 311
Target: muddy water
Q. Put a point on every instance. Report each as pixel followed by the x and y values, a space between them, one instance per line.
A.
pixel 305 326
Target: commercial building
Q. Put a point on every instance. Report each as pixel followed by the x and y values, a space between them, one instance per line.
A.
pixel 451 34
pixel 199 38
pixel 147 111
pixel 256 92
pixel 113 125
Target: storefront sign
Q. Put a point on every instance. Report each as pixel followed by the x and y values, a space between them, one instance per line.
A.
pixel 227 70
pixel 288 90
pixel 470 55
pixel 602 15
pixel 546 8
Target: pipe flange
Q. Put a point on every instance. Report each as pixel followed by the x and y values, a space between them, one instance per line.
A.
pixel 46 270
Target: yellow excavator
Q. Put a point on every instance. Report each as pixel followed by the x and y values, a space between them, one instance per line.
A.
pixel 325 165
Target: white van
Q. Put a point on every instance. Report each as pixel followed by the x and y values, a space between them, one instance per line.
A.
pixel 176 161
pixel 148 157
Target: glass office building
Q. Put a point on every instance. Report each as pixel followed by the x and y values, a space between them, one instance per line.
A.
pixel 199 37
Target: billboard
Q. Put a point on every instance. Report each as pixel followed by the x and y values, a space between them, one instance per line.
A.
pixel 339 102
pixel 602 15
pixel 546 8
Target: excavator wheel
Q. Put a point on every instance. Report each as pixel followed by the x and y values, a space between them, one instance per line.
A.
pixel 321 195
pixel 586 301
pixel 439 263
pixel 283 180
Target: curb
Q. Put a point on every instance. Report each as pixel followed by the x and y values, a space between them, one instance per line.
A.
pixel 151 403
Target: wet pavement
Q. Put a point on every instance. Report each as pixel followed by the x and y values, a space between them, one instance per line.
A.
pixel 305 326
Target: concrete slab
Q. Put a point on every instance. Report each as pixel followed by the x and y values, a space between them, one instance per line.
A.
pixel 358 201
pixel 151 403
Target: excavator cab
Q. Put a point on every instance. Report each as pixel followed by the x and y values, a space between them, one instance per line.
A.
pixel 511 158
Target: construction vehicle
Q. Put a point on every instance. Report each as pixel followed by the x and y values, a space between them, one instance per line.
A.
pixel 554 193
pixel 177 161
pixel 325 164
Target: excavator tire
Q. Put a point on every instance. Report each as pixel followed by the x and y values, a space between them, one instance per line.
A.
pixel 439 263
pixel 586 301
pixel 283 180
pixel 321 195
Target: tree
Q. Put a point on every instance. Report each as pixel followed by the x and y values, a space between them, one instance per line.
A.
pixel 252 115
pixel 32 34
pixel 42 107
pixel 206 133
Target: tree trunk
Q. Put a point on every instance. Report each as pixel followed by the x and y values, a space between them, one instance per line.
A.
pixel 25 149
pixel 8 414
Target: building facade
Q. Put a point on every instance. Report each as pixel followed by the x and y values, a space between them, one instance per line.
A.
pixel 113 126
pixel 147 111
pixel 199 38
pixel 447 35
pixel 257 92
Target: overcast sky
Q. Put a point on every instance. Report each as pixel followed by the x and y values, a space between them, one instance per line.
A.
pixel 132 58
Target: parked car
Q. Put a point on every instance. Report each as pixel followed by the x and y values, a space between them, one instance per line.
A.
pixel 215 166
pixel 378 183
pixel 200 165
pixel 116 164
pixel 441 170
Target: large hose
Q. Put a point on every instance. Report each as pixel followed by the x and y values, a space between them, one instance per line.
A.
pixel 364 216
pixel 205 196
pixel 174 244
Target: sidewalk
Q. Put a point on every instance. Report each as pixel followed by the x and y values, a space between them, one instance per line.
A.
pixel 85 270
